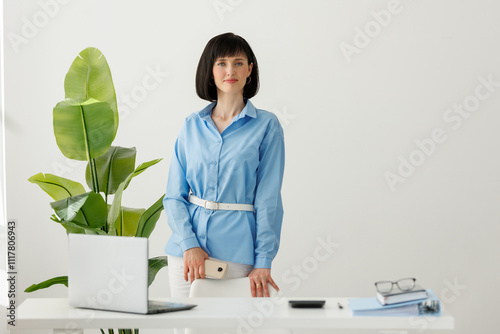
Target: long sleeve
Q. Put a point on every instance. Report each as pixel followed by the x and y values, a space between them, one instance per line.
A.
pixel 177 194
pixel 244 164
pixel 268 203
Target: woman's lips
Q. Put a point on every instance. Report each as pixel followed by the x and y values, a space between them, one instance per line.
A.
pixel 230 80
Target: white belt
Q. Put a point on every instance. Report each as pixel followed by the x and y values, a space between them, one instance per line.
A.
pixel 211 205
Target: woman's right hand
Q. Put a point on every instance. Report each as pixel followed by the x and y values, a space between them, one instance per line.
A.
pixel 194 263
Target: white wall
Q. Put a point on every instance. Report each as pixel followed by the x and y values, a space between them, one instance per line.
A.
pixel 348 121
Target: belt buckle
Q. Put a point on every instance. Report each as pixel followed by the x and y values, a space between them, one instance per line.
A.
pixel 215 208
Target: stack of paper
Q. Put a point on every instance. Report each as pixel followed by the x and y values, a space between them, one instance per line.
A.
pixel 399 296
pixel 430 306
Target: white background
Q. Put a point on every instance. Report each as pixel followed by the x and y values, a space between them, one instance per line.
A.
pixel 348 122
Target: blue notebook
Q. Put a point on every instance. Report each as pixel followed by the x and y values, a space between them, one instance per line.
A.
pixel 430 306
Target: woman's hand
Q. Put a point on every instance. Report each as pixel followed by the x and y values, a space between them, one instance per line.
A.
pixel 259 277
pixel 194 263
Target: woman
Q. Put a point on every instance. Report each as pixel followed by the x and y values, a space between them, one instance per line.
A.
pixel 233 154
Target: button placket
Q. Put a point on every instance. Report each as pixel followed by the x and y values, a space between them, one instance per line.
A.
pixel 217 169
pixel 202 229
pixel 213 165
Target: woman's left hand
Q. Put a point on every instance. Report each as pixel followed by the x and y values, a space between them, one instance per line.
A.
pixel 259 277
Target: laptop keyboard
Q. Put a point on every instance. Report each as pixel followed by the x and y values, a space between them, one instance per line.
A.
pixel 159 306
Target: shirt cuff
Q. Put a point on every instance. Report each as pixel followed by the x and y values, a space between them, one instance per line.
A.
pixel 262 262
pixel 189 243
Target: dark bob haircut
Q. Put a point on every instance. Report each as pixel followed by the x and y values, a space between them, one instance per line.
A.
pixel 225 45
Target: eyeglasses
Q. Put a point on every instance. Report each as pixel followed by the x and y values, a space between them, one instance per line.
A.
pixel 404 284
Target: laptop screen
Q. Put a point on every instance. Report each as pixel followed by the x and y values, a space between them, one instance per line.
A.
pixel 108 272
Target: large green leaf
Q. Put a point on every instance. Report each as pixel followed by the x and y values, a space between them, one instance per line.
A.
pixel 95 210
pixel 155 264
pixel 113 167
pixel 83 129
pixel 66 209
pixel 73 228
pixel 77 227
pixel 80 220
pixel 69 226
pixel 91 205
pixel 90 77
pixel 114 210
pixel 141 168
pixel 149 218
pixel 57 187
pixel 48 283
pixel 127 221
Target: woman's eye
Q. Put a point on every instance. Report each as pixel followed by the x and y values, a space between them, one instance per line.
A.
pixel 239 63
pixel 221 64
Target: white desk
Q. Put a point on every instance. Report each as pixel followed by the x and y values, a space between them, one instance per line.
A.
pixel 54 313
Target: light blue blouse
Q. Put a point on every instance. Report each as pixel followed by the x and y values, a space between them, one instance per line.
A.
pixel 245 165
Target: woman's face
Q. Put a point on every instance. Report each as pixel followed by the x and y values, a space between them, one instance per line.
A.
pixel 231 73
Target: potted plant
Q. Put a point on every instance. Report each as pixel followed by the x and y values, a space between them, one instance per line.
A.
pixel 85 125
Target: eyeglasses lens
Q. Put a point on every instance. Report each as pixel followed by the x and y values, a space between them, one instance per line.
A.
pixel 384 286
pixel 406 284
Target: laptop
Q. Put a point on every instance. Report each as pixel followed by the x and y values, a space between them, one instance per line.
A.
pixel 111 273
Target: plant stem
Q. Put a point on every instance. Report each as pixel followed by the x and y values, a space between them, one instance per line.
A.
pixel 105 227
pixel 93 175
pixel 96 178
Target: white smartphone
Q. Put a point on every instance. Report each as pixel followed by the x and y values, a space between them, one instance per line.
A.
pixel 215 269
